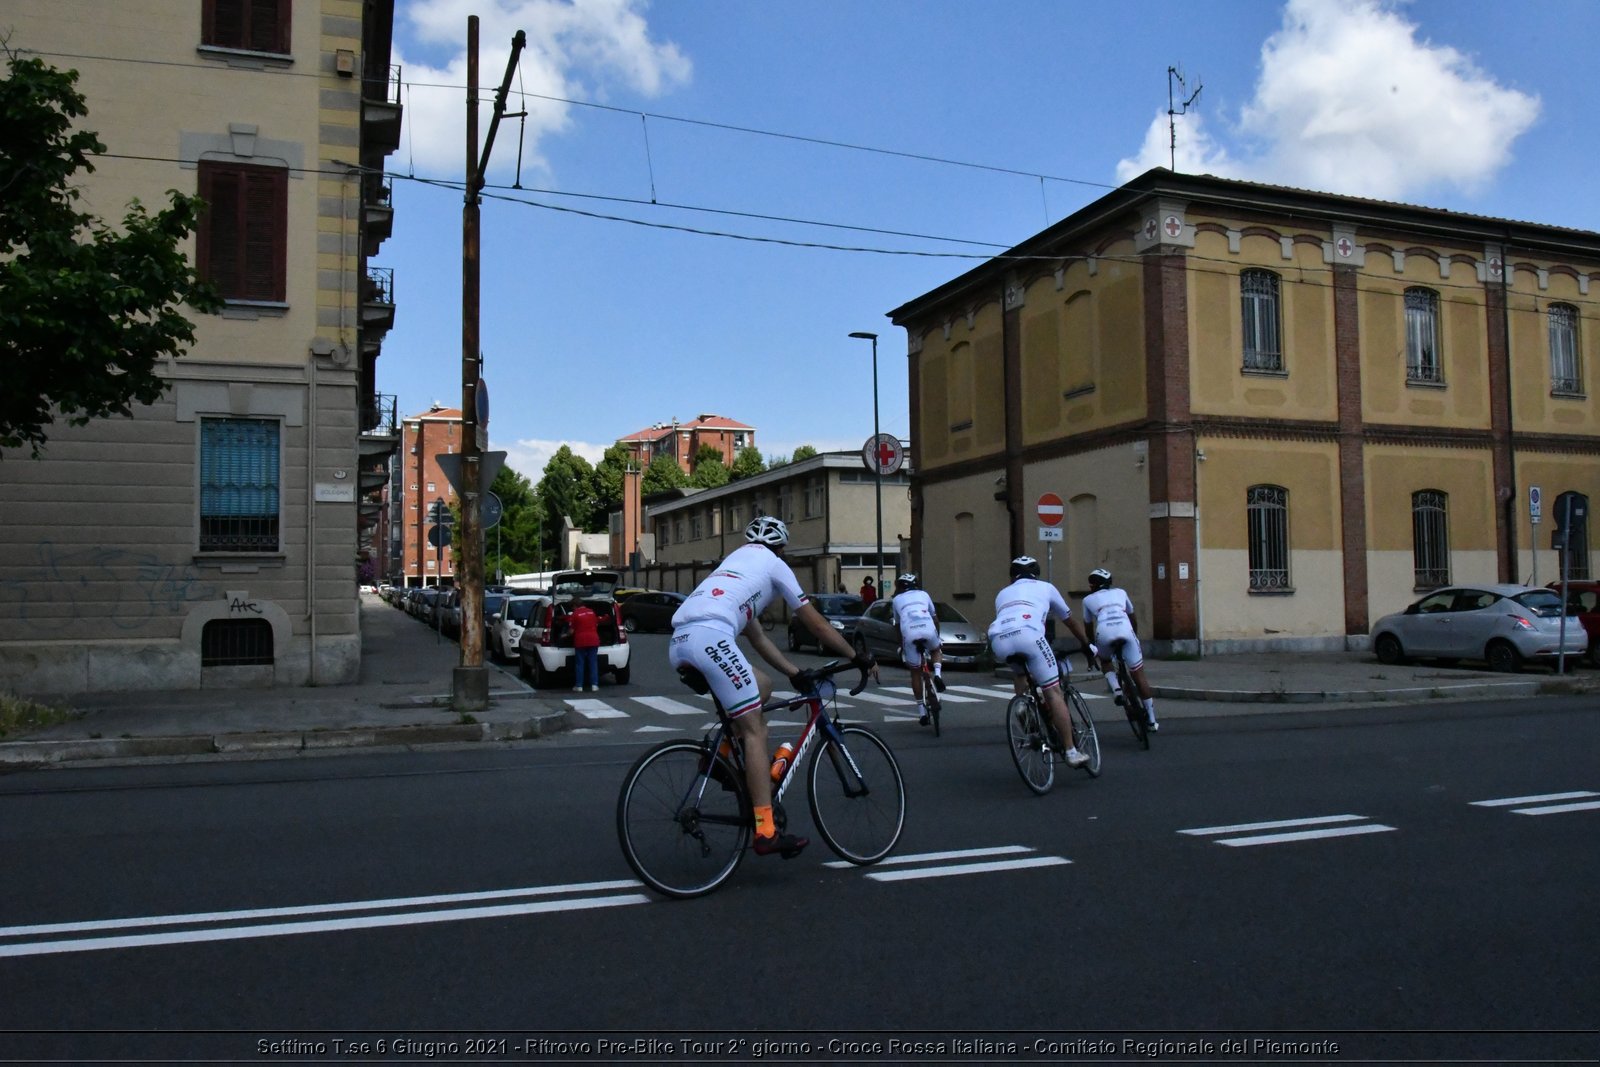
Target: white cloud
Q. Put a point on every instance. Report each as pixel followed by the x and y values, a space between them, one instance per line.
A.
pixel 528 456
pixel 1350 99
pixel 574 50
pixel 1197 152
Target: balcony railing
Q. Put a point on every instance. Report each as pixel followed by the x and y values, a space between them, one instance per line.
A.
pixel 380 286
pixel 380 417
pixel 383 90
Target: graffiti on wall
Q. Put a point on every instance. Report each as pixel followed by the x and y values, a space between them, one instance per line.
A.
pixel 127 589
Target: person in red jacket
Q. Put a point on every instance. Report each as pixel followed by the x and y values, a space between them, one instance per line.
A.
pixel 869 592
pixel 586 646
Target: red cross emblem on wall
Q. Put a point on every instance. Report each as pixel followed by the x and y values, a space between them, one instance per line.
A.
pixel 1150 230
pixel 1173 225
pixel 1345 247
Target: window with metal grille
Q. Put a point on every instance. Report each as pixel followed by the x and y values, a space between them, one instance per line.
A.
pixel 238 485
pixel 1268 515
pixel 252 25
pixel 1423 362
pixel 1566 375
pixel 1430 539
pixel 1258 294
pixel 1572 534
pixel 236 643
pixel 242 238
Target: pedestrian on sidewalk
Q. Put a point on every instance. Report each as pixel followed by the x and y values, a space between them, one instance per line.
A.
pixel 585 646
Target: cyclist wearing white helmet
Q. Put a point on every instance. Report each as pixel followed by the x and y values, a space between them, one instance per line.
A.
pixel 917 620
pixel 1108 611
pixel 1020 612
pixel 705 633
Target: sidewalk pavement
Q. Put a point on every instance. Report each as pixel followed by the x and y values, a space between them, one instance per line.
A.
pixel 403 699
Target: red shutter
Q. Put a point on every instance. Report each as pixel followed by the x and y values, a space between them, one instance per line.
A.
pixel 258 25
pixel 243 238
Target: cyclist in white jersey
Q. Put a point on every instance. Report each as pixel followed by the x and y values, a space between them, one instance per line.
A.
pixel 705 633
pixel 1021 610
pixel 1109 614
pixel 917 620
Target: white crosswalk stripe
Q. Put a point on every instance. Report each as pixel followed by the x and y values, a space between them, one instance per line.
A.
pixel 1545 804
pixel 595 709
pixel 668 706
pixel 1244 835
pixel 947 697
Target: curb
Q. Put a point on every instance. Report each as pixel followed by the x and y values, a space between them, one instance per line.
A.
pixel 1464 691
pixel 50 753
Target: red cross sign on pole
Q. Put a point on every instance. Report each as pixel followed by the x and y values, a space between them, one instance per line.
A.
pixel 883 454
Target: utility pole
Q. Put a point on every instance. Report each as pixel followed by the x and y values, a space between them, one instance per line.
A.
pixel 470 682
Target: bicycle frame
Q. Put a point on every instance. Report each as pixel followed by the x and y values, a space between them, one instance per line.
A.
pixel 818 723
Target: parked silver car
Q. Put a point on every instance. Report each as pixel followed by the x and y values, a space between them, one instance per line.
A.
pixel 964 643
pixel 1501 624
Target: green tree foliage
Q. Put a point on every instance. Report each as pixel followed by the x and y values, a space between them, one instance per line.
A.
pixel 709 471
pixel 567 489
pixel 803 452
pixel 663 474
pixel 86 312
pixel 748 462
pixel 777 459
pixel 609 477
pixel 513 547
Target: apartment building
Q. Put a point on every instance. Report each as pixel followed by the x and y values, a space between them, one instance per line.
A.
pixel 828 501
pixel 681 441
pixel 420 484
pixel 212 538
pixel 1274 414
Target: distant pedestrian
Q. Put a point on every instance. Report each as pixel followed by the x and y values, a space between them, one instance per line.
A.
pixel 585 646
pixel 869 592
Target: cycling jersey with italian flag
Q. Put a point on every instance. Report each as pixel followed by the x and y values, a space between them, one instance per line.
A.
pixel 739 590
pixel 1025 604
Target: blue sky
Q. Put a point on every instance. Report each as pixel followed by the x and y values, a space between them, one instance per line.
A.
pixel 593 328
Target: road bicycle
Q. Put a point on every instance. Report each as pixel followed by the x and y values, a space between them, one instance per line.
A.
pixel 1036 744
pixel 684 816
pixel 1132 706
pixel 930 691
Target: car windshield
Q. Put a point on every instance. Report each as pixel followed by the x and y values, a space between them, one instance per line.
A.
pixel 949 614
pixel 840 605
pixel 593 586
pixel 1546 603
pixel 492 602
pixel 522 610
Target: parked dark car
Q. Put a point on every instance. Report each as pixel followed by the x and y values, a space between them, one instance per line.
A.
pixel 842 610
pixel 1503 625
pixel 1583 597
pixel 964 644
pixel 650 610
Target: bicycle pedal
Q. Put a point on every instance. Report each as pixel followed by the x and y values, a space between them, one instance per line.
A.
pixel 1118 698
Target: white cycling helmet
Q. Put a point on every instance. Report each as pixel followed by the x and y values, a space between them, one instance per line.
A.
pixel 766 530
pixel 1024 567
pixel 1099 578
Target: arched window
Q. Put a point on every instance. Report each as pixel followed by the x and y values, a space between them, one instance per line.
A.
pixel 1423 362
pixel 1572 534
pixel 1566 369
pixel 1260 318
pixel 1430 539
pixel 1268 516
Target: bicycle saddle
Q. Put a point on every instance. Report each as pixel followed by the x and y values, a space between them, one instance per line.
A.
pixel 696 681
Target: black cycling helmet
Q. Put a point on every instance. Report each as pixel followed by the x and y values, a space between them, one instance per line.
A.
pixel 906 581
pixel 766 530
pixel 1099 578
pixel 1024 567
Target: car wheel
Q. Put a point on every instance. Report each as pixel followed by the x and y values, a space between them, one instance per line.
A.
pixel 860 645
pixel 622 674
pixel 522 667
pixel 794 640
pixel 541 677
pixel 630 625
pixel 1503 657
pixel 1594 652
pixel 1387 646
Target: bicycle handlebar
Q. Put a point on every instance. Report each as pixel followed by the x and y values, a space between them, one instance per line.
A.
pixel 839 666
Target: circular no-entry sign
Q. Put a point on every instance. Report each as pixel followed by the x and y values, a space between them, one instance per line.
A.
pixel 1050 509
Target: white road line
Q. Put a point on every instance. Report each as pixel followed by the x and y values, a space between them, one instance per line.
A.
pixel 1278 825
pixel 313 909
pixel 934 857
pixel 1556 809
pixel 668 706
pixel 596 709
pixel 967 868
pixel 948 698
pixel 874 698
pixel 985 691
pixel 1304 835
pixel 362 922
pixel 654 730
pixel 1513 801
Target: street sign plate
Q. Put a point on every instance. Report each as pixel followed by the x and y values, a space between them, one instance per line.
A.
pixel 883 454
pixel 1051 509
pixel 439 536
pixel 492 510
pixel 1051 533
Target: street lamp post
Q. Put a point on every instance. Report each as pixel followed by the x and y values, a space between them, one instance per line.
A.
pixel 877 458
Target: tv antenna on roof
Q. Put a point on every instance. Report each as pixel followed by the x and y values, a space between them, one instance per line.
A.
pixel 1174 111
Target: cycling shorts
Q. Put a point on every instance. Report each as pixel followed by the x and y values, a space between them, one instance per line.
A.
pixel 717 656
pixel 1132 654
pixel 1042 666
pixel 908 643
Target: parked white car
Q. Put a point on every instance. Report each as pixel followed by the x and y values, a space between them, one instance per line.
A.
pixel 514 616
pixel 546 646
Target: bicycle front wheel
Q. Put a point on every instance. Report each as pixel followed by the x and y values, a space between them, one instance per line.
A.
pixel 1029 749
pixel 1133 705
pixel 683 819
pixel 858 798
pixel 1084 735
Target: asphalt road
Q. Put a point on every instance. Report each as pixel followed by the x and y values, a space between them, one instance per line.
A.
pixel 1436 913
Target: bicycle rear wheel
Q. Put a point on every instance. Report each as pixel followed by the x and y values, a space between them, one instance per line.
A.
pixel 1084 735
pixel 683 819
pixel 1132 705
pixel 930 694
pixel 858 798
pixel 1029 749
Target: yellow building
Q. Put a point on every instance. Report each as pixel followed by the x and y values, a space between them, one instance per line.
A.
pixel 1274 414
pixel 212 538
